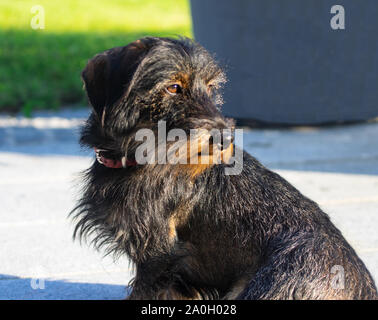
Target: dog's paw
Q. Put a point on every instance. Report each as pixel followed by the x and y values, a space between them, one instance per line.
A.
pixel 173 294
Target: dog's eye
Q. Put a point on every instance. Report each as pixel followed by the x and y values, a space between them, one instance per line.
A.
pixel 173 89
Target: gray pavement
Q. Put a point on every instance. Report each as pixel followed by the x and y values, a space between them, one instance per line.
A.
pixel 39 165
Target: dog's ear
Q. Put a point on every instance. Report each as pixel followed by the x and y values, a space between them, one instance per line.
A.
pixel 107 75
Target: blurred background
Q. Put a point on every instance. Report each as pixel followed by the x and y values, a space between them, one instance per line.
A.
pixel 40 68
pixel 319 134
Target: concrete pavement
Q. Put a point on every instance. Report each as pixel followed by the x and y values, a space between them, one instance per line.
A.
pixel 39 165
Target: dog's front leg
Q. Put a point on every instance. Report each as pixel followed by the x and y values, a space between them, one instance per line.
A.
pixel 174 276
pixel 163 292
pixel 154 284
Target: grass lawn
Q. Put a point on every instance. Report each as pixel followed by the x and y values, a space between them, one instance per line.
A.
pixel 40 69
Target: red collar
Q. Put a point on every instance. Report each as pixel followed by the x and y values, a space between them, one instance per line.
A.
pixel 113 163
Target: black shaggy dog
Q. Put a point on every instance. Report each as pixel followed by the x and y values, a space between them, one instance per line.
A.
pixel 192 231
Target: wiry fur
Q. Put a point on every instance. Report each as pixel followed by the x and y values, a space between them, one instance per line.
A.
pixel 198 233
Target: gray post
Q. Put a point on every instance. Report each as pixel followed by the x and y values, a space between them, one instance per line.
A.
pixel 294 61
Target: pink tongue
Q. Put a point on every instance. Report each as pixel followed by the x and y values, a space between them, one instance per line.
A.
pixel 111 163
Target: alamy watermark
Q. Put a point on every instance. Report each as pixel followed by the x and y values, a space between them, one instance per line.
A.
pixel 337 277
pixel 203 147
pixel 37 281
pixel 338 20
pixel 38 20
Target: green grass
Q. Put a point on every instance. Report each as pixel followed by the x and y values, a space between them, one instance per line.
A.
pixel 40 69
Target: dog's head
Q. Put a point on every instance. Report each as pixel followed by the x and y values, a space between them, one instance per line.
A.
pixel 147 81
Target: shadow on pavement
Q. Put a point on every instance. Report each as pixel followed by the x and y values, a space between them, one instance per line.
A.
pixel 15 288
pixel 349 149
pixel 47 133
